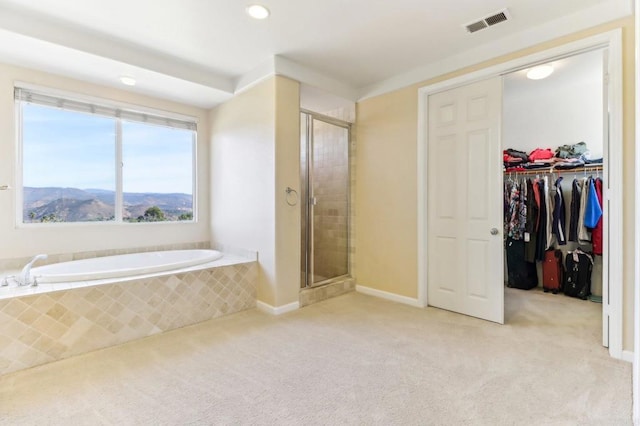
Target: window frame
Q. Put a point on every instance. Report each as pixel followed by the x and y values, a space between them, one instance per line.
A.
pixel 121 111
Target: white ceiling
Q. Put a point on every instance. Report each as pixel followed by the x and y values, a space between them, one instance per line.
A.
pixel 576 69
pixel 201 52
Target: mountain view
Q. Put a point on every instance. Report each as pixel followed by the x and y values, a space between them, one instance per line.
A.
pixel 86 205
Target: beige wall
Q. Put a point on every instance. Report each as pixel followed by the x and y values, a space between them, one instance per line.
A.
pixel 68 238
pixel 386 222
pixel 386 193
pixel 288 234
pixel 242 178
pixel 254 157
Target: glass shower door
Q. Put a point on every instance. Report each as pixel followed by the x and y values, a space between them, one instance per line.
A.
pixel 326 228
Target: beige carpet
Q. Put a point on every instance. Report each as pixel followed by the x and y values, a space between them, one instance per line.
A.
pixel 352 360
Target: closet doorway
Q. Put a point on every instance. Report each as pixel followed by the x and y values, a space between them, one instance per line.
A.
pixel 541 113
pixel 612 42
pixel 324 167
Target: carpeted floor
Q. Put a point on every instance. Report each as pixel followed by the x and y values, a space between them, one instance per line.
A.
pixel 352 360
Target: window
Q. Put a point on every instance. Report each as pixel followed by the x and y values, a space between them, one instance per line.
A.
pixel 88 162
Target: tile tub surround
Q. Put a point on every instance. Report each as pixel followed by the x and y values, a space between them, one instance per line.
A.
pixel 13 290
pixel 16 264
pixel 38 328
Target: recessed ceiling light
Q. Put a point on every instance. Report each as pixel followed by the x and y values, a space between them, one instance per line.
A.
pixel 127 80
pixel 258 11
pixel 540 72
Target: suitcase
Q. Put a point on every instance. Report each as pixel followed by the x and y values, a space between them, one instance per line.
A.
pixel 520 273
pixel 552 271
pixel 578 267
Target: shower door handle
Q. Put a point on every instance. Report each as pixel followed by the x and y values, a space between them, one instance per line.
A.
pixel 313 201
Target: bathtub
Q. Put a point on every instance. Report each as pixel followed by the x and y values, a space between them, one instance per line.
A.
pixel 141 297
pixel 125 265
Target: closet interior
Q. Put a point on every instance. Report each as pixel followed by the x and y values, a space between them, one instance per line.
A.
pixel 553 140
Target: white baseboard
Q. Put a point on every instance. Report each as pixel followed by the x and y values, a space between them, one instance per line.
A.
pixel 627 356
pixel 390 296
pixel 277 310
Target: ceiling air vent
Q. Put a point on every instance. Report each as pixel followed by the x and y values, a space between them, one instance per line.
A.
pixel 476 26
pixel 488 21
pixel 496 19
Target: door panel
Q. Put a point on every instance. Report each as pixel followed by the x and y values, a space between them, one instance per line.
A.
pixel 446 114
pixel 445 278
pixel 477 253
pixel 479 148
pixel 465 261
pixel 478 108
pixel 445 149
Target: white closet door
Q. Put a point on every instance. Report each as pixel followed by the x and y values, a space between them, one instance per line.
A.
pixel 465 250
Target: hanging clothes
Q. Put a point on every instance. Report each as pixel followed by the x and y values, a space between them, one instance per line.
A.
pixel 549 217
pixel 520 273
pixel 541 244
pixel 559 214
pixel 536 195
pixel 531 224
pixel 506 198
pixel 517 213
pixel 506 191
pixel 593 209
pixel 583 233
pixel 596 234
pixel 575 210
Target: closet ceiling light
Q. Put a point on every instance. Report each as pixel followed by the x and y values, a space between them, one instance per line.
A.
pixel 128 81
pixel 540 72
pixel 258 11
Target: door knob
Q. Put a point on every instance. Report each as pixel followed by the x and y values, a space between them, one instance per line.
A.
pixel 494 231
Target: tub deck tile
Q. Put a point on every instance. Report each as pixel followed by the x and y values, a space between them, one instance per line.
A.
pixel 42 327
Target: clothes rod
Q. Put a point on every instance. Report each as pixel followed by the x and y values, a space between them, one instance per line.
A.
pixel 551 170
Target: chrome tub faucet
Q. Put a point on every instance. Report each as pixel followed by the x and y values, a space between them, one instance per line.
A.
pixel 25 275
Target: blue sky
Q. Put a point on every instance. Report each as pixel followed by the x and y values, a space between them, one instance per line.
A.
pixel 70 149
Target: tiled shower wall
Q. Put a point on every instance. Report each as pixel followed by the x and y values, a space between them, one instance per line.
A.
pixel 331 213
pixel 46 327
pixel 348 115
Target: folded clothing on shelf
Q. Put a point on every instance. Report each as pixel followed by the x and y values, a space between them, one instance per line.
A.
pixel 514 153
pixel 568 164
pixel 577 150
pixel 536 165
pixel 541 154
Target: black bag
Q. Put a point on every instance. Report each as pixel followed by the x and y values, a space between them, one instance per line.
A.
pixel 520 273
pixel 578 267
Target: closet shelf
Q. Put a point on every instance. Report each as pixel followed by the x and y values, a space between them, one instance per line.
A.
pixel 549 170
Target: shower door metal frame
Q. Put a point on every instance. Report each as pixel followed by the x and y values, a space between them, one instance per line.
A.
pixel 310 200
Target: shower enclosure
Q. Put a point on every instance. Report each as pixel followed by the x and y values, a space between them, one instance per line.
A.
pixel 324 166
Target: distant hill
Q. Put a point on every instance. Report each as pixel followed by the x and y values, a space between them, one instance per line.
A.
pixel 37 197
pixel 80 205
pixel 70 210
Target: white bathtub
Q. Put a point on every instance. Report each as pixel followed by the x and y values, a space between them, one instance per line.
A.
pixel 122 265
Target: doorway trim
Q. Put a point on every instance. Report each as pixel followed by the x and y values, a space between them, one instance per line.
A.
pixel 611 40
pixel 636 245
